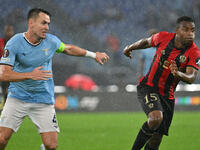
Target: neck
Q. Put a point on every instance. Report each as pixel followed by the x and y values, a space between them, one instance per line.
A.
pixel 178 43
pixel 32 38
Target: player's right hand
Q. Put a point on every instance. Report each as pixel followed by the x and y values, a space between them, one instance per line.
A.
pixel 38 74
pixel 173 67
pixel 127 52
pixel 101 58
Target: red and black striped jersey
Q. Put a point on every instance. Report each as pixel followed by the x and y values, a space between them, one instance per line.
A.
pixel 159 76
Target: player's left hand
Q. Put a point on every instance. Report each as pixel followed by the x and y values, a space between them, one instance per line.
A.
pixel 101 57
pixel 173 67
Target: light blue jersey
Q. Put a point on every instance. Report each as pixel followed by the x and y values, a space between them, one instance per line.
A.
pixel 25 57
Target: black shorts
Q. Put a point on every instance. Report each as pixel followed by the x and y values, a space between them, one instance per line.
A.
pixel 151 100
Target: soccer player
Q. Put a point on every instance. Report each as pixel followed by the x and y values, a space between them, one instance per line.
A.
pixel 177 58
pixel 27 65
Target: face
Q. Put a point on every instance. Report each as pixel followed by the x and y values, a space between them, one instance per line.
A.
pixel 40 25
pixel 186 32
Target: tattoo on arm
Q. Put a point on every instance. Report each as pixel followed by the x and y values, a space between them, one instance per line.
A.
pixel 141 44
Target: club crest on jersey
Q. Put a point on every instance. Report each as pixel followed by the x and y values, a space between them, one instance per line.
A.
pixel 182 59
pixel 46 51
pixel 5 53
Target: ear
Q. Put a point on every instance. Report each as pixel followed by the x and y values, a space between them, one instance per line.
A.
pixel 30 22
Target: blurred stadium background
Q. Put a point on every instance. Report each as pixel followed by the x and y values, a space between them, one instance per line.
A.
pixel 90 23
pixel 105 25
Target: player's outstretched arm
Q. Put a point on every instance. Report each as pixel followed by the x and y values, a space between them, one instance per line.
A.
pixel 189 76
pixel 7 74
pixel 77 51
pixel 141 44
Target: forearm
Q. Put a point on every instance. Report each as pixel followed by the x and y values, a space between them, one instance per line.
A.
pixel 141 44
pixel 74 50
pixel 14 76
pixel 188 78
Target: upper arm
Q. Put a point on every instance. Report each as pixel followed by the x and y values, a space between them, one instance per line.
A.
pixel 194 59
pixel 61 48
pixel 192 66
pixel 9 53
pixel 57 44
pixel 67 49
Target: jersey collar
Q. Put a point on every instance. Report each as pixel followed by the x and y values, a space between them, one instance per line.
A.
pixel 29 41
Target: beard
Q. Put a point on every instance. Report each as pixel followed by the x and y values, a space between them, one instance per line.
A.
pixel 187 43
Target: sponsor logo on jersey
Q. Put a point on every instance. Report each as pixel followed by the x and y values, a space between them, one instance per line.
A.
pixel 5 59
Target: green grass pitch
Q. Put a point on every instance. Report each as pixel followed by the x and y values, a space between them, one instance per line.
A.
pixel 109 131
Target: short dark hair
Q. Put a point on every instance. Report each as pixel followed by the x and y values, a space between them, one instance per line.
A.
pixel 183 18
pixel 33 13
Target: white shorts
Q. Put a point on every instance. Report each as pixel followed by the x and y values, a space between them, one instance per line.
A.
pixel 42 115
